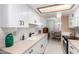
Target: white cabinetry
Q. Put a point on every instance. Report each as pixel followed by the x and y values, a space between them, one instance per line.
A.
pixel 17 16
pixel 14 15
pixel 74 19
pixel 44 43
pixel 72 49
pixel 21 15
pixel 3 15
pixel 39 47
pixel 70 21
pixel 33 18
pixel 34 49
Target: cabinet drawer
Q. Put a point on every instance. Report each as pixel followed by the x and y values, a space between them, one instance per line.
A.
pixel 30 51
pixel 70 52
pixel 38 48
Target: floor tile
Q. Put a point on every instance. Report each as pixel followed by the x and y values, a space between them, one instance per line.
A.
pixel 54 47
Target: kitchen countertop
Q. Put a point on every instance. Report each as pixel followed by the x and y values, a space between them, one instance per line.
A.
pixel 23 45
pixel 75 43
pixel 71 37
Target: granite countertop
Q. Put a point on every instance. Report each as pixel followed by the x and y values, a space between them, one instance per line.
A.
pixel 75 43
pixel 23 45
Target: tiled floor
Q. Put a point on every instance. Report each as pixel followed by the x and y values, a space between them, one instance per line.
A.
pixel 54 47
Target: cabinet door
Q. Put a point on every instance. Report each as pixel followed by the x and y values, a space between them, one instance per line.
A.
pixel 34 18
pixel 37 19
pixel 44 44
pixel 72 24
pixel 23 21
pixel 74 21
pixel 46 41
pixel 31 17
pixel 39 47
pixel 34 50
pixel 17 15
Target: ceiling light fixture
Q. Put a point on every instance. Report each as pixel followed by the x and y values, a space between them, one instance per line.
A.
pixel 55 8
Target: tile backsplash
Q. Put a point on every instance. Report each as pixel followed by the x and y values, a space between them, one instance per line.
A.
pixel 18 33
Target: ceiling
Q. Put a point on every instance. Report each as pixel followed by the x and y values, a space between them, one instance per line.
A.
pixel 51 14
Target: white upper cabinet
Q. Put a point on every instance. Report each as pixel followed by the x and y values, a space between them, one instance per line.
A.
pixel 31 18
pixel 71 21
pixel 13 15
pixel 76 16
pixel 34 18
pixel 17 16
pixel 74 19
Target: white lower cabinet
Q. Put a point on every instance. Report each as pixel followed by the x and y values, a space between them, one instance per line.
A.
pixel 39 47
pixel 72 49
pixel 33 50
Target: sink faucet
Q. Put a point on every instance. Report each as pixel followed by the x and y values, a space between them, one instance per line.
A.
pixel 30 34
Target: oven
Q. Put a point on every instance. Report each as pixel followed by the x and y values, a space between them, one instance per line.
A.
pixel 65 44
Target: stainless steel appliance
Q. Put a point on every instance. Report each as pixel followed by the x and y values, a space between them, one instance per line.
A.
pixel 65 44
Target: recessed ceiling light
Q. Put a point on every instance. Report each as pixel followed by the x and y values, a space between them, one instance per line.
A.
pixel 55 8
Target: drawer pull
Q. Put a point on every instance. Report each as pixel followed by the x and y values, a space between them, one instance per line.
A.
pixel 71 47
pixel 71 53
pixel 31 51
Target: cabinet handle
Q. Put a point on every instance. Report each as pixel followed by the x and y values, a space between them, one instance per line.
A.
pixel 31 51
pixel 41 45
pixel 71 47
pixel 21 22
pixel 71 52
